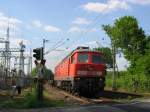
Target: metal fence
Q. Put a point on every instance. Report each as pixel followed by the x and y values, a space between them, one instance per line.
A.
pixel 8 82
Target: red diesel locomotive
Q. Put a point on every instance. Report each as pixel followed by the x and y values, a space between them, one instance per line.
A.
pixel 82 71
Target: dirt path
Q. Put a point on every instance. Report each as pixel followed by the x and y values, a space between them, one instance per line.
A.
pixel 58 94
pixel 55 93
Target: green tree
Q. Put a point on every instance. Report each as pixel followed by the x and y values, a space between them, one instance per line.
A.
pixel 48 74
pixel 34 72
pixel 143 63
pixel 126 35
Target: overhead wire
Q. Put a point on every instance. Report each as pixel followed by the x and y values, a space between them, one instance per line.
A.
pixel 56 46
pixel 68 33
pixel 95 20
pixel 90 26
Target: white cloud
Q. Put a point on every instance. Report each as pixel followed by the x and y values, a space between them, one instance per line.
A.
pixel 80 21
pixel 37 23
pixel 93 30
pixel 50 28
pixel 75 29
pixel 1 14
pixel 111 5
pixel 5 21
pixel 140 2
pixel 45 27
pixel 14 25
pixel 14 21
pixel 91 44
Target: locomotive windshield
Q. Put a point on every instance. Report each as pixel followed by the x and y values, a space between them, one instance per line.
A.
pixel 83 58
pixel 97 59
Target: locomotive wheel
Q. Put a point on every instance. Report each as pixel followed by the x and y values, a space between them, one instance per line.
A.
pixel 70 87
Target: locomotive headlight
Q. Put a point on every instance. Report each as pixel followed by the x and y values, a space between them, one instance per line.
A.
pixel 81 72
pixel 101 79
pixel 78 78
pixel 99 73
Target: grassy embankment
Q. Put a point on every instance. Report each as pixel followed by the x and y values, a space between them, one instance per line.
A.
pixel 28 100
pixel 129 83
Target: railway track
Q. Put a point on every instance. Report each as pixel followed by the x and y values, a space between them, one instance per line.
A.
pixel 81 99
pixel 108 97
pixel 87 100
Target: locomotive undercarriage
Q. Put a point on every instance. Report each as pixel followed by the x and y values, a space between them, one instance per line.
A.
pixel 89 86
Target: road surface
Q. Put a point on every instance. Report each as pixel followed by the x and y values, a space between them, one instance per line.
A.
pixel 128 107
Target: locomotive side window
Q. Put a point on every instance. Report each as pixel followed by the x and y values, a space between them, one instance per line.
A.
pixel 82 58
pixel 97 59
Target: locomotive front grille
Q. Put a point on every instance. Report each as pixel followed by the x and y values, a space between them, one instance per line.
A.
pixel 84 73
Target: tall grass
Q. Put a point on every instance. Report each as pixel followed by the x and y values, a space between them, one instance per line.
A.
pixel 29 100
pixel 128 82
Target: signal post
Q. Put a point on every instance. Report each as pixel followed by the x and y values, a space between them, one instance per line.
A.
pixel 40 63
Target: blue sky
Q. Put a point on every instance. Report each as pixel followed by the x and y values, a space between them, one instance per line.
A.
pixel 78 20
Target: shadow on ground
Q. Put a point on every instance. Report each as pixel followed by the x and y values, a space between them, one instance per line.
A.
pixel 119 95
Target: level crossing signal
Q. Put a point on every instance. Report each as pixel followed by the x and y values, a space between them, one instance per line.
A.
pixel 38 53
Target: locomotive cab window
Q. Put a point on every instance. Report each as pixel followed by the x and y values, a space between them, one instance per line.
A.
pixel 97 59
pixel 82 58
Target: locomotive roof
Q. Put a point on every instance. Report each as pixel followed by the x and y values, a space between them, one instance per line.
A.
pixel 83 49
pixel 79 50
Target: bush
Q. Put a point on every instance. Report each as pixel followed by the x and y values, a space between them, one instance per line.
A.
pixel 129 82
